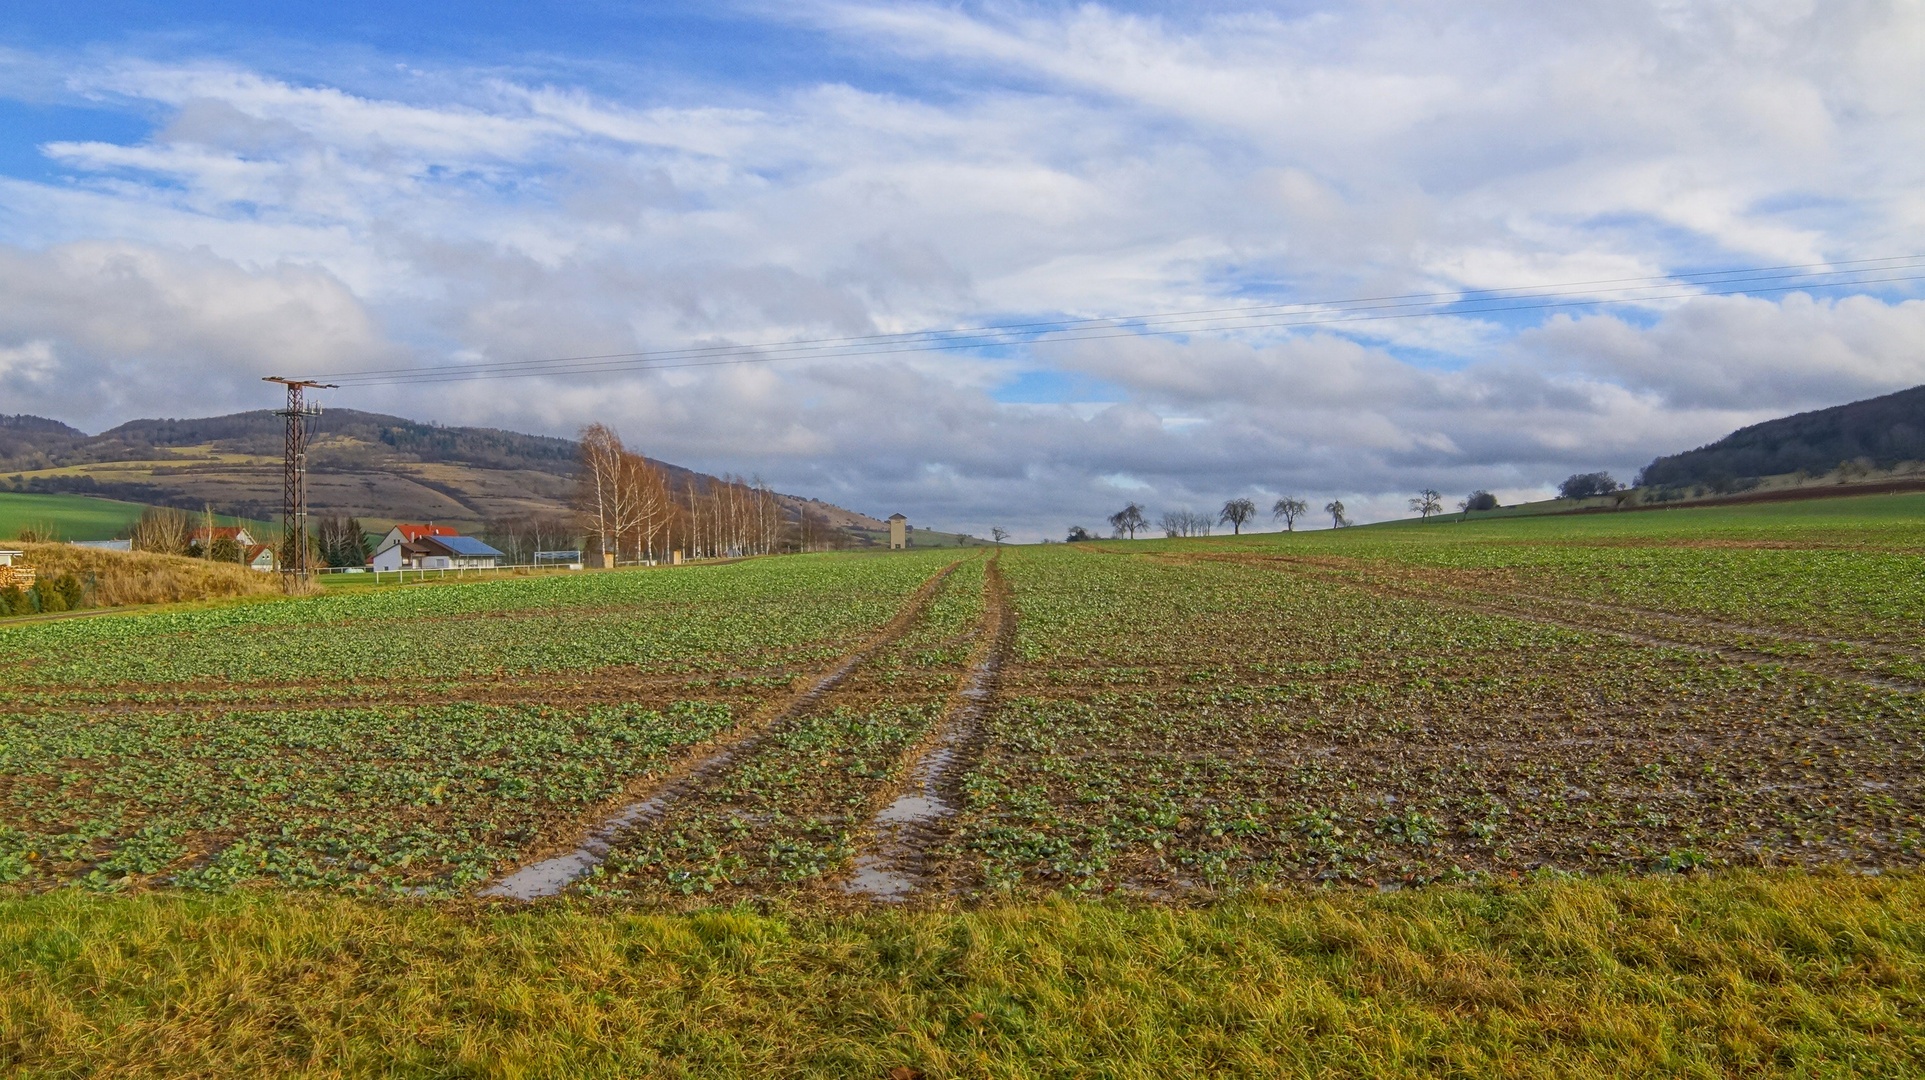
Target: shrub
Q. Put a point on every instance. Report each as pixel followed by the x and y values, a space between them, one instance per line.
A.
pixel 70 590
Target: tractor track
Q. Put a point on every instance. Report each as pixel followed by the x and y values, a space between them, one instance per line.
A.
pixel 548 877
pixel 894 861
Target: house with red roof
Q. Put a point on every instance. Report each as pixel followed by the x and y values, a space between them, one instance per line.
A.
pixel 408 534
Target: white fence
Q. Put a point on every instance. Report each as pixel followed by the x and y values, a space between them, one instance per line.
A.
pixel 438 572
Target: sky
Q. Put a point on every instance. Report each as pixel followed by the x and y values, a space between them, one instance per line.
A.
pixel 195 195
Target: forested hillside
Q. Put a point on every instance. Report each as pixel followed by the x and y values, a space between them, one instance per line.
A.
pixel 1880 432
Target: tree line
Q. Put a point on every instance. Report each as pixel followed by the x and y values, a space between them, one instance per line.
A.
pixel 630 510
pixel 333 541
pixel 1236 513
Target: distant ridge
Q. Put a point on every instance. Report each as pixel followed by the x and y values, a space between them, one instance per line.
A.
pixel 369 465
pixel 1880 432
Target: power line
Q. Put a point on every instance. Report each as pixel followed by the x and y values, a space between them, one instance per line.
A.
pixel 1270 316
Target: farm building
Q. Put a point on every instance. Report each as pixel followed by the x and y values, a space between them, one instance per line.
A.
pixel 13 573
pixel 898 531
pixel 439 552
pixel 408 534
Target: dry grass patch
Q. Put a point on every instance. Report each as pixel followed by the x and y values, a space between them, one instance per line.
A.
pixel 122 578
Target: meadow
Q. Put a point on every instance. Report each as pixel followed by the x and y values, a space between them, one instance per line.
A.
pixel 1625 794
pixel 65 517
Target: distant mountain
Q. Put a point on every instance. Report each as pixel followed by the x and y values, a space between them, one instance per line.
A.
pixel 1881 431
pixel 373 466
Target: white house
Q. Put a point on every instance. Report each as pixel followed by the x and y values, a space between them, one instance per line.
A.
pixel 408 534
pixel 440 552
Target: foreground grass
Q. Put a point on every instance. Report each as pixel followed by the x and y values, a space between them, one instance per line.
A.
pixel 1744 974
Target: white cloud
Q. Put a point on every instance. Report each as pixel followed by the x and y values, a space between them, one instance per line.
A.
pixel 1027 162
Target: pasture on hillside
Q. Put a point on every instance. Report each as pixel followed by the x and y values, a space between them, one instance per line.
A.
pixel 1619 769
pixel 65 517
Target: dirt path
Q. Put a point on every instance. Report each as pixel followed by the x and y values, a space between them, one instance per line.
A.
pixel 550 876
pixel 894 861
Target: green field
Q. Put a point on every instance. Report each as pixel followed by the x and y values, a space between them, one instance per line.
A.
pixel 83 517
pixel 1582 795
pixel 66 517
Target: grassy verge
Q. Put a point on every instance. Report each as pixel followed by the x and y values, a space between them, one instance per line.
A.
pixel 124 578
pixel 1743 974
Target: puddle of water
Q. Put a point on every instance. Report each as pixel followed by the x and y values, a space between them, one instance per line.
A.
pixel 550 876
pixel 892 869
pixel 913 808
pixel 874 877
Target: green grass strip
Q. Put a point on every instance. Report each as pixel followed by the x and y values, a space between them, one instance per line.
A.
pixel 1742 974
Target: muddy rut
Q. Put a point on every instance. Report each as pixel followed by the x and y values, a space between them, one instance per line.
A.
pixel 549 877
pixel 894 861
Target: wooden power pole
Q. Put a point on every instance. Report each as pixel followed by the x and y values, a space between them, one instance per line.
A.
pixel 294 568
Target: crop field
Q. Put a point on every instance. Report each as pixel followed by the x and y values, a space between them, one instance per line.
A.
pixel 1401 705
pixel 1590 708
pixel 407 739
pixel 65 517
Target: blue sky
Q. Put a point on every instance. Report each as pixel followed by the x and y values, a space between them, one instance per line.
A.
pixel 192 195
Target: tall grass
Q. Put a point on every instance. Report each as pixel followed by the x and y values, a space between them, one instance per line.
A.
pixel 137 577
pixel 1742 975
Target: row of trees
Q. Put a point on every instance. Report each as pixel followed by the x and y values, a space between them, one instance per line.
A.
pixel 630 509
pixel 1236 513
pixel 167 531
pixel 334 541
pixel 1239 512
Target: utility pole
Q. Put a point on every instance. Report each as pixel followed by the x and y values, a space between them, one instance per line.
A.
pixel 294 569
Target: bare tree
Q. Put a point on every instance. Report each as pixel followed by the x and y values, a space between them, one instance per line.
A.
pixel 999 534
pixel 1185 523
pixel 1426 503
pixel 598 491
pixel 162 530
pixel 1237 513
pixel 1335 509
pixel 342 542
pixel 1288 510
pixel 1128 520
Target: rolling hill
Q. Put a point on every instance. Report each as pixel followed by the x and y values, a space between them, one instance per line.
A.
pixel 372 466
pixel 1878 433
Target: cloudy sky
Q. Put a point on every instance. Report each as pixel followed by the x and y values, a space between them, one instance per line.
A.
pixel 193 195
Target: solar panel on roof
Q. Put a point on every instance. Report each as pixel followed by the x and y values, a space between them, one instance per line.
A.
pixel 466 545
